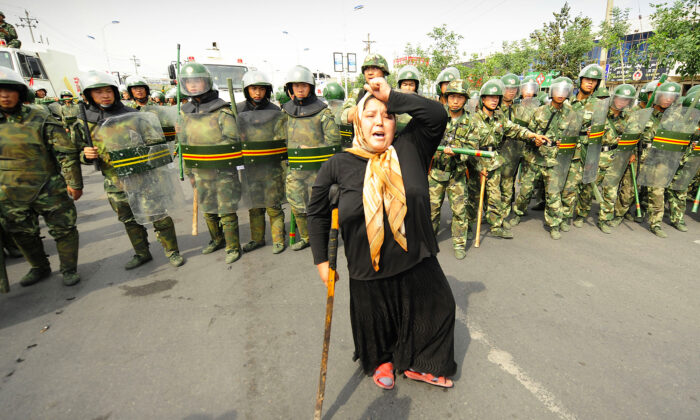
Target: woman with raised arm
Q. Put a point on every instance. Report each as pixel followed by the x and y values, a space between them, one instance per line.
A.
pixel 401 307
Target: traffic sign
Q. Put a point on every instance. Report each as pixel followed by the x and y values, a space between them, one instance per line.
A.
pixel 637 76
pixel 540 79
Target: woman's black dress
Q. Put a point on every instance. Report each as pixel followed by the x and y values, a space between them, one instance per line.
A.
pixel 405 312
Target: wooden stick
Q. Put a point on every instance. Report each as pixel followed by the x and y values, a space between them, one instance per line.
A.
pixel 480 211
pixel 4 281
pixel 332 259
pixel 195 212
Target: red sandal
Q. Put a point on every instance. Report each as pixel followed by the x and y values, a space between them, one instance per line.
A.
pixel 429 379
pixel 384 376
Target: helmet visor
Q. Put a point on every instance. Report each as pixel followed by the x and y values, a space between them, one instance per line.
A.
pixel 194 86
pixel 665 99
pixel 529 88
pixel 621 102
pixel 561 89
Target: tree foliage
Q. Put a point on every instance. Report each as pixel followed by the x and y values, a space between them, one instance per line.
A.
pixel 562 44
pixel 676 39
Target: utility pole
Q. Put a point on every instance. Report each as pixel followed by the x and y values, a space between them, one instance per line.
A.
pixel 137 63
pixel 368 44
pixel 29 22
pixel 608 17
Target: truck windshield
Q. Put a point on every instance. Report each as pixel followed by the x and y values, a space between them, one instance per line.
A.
pixel 6 60
pixel 222 72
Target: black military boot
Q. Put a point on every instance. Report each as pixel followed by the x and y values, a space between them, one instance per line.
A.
pixel 33 250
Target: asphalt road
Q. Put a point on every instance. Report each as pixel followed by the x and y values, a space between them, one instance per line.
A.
pixel 592 326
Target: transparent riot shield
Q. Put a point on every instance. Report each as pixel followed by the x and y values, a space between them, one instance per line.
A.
pixel 595 138
pixel 212 150
pixel 671 141
pixel 336 107
pixel 688 170
pixel 140 156
pixel 167 116
pixel 626 146
pixel 264 149
pixel 472 105
pixel 511 150
pixel 565 152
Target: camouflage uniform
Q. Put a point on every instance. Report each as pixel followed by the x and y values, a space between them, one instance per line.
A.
pixel 613 127
pixel 655 195
pixel 449 174
pixel 573 185
pixel 9 34
pixel 69 113
pixel 488 133
pixel 117 197
pixel 38 160
pixel 550 122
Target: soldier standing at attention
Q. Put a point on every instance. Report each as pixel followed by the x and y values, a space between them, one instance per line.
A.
pixel 448 173
pixel 446 76
pixel 102 94
pixel 37 160
pixel 8 33
pixel 312 138
pixel 487 129
pixel 589 78
pixel 548 120
pixel 264 148
pixel 212 149
pixel 409 78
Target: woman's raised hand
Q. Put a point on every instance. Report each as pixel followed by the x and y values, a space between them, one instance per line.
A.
pixel 379 88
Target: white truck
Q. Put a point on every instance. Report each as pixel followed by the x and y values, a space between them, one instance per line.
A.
pixel 221 69
pixel 48 69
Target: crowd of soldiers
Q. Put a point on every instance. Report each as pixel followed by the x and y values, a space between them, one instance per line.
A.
pixel 561 147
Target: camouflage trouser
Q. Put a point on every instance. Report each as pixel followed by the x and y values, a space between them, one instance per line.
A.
pixel 586 194
pixel 164 228
pixel 530 177
pixel 21 221
pixel 473 188
pixel 655 206
pixel 507 193
pixel 257 224
pixel 456 188
pixel 298 189
pixel 218 190
pixel 494 199
pixel 676 205
pixel 625 194
pixel 225 225
pixel 569 195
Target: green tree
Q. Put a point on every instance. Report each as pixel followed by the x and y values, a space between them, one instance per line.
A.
pixel 515 57
pixel 562 45
pixel 676 39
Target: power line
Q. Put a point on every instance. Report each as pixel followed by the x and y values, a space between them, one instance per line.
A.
pixel 29 22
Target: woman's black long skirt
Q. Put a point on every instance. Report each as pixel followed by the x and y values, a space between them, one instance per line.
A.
pixel 407 319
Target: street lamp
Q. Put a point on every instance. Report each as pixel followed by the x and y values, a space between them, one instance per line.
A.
pixel 104 43
pixel 295 41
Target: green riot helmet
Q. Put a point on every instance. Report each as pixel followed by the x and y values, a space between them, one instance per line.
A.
pixel 409 72
pixel 592 71
pixel 643 95
pixel 256 78
pixel 31 97
pixel 96 79
pixel 137 81
pixel 10 79
pixel 446 75
pixel 457 86
pixel 158 96
pixel 493 87
pixel 602 93
pixel 692 99
pixel 195 79
pixel 376 60
pixel 66 94
pixel 692 90
pixel 512 84
pixel 622 97
pixel 561 87
pixel 666 94
pixel 529 87
pixel 171 93
pixel 300 74
pixel 333 91
pixel 282 96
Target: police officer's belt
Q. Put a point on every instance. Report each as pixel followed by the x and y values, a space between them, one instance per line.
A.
pixel 609 148
pixel 223 156
pixel 139 159
pixel 311 158
pixel 259 152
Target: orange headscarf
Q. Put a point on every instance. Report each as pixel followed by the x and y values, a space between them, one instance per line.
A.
pixel 383 190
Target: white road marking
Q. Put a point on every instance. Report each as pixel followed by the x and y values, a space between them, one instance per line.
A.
pixel 697 242
pixel 505 361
